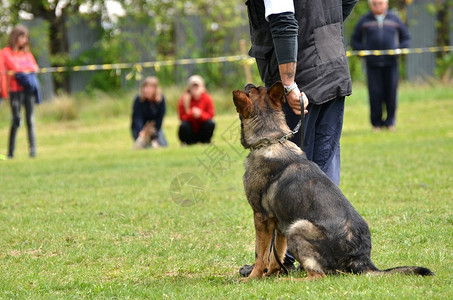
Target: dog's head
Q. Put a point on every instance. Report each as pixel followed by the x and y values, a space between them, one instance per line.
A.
pixel 258 99
pixel 261 113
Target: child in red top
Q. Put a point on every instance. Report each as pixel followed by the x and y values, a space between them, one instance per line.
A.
pixel 196 111
pixel 18 58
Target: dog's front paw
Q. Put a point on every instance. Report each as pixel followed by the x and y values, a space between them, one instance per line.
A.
pixel 257 273
pixel 275 272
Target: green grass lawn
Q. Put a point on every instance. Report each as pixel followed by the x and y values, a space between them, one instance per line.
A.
pixel 90 217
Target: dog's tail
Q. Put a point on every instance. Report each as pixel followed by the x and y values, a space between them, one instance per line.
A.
pixel 367 267
pixel 403 271
pixel 408 271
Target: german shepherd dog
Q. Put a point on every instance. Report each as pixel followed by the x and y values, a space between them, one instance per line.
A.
pixel 291 195
pixel 147 136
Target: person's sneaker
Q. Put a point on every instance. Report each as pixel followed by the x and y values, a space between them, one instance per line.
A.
pixel 245 270
pixel 290 267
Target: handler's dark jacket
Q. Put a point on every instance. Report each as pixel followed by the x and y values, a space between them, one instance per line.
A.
pixel 322 66
pixel 369 35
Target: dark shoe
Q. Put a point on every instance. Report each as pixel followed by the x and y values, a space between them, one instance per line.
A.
pixel 290 267
pixel 245 270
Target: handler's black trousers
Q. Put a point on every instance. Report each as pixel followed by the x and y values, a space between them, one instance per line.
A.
pixel 17 99
pixel 382 89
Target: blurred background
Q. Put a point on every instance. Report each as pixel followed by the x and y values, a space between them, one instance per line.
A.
pixel 68 33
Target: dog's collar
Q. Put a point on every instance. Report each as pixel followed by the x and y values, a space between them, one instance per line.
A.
pixel 264 142
pixel 267 142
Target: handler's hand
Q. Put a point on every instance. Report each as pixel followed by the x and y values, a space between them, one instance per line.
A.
pixel 294 101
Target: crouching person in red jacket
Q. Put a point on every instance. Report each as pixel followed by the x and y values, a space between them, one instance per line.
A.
pixel 196 111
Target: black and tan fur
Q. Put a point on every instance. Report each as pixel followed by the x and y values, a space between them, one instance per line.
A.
pixel 147 137
pixel 292 195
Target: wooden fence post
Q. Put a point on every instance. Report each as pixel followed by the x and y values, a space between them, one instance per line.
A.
pixel 248 73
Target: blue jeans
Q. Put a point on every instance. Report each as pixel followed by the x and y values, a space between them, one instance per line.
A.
pixel 322 132
pixel 17 99
pixel 161 138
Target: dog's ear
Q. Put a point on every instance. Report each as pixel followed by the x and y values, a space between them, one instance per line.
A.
pixel 277 94
pixel 248 87
pixel 242 103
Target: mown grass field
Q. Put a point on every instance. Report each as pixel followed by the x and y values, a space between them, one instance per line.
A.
pixel 92 218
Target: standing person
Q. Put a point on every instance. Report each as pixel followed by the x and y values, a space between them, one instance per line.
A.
pixel 149 106
pixel 300 42
pixel 3 89
pixel 196 111
pixel 381 29
pixel 18 58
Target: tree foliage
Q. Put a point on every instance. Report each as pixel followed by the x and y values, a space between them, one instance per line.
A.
pixel 153 25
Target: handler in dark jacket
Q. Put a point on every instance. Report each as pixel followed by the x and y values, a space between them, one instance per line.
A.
pixel 381 29
pixel 300 42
